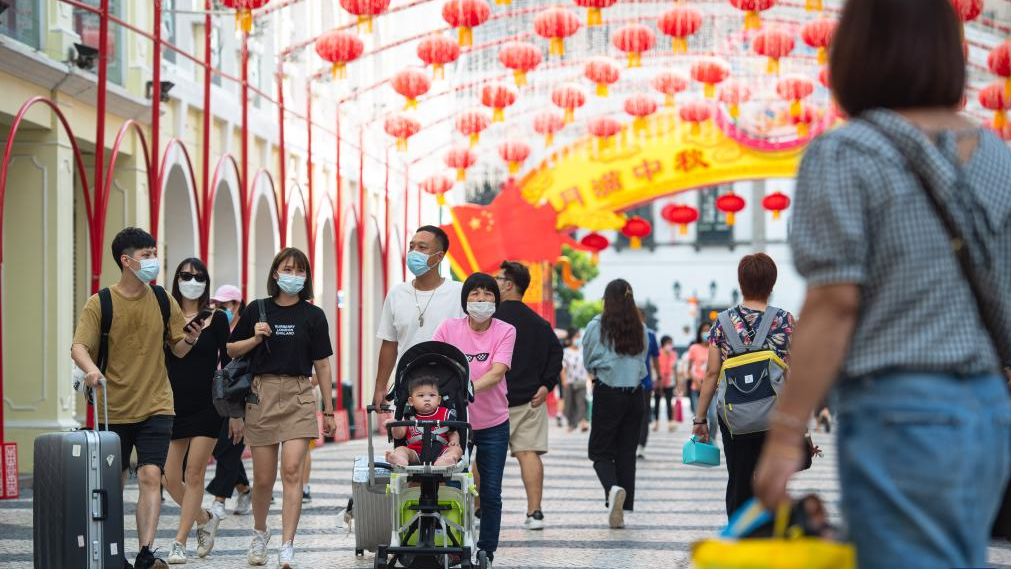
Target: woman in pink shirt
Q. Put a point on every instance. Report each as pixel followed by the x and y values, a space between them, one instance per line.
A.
pixel 488 344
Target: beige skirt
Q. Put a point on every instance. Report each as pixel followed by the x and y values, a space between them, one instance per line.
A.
pixel 286 411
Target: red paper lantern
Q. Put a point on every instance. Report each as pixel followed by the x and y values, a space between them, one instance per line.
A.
pixel 514 153
pixel 596 243
pixel 776 202
pixel 437 50
pixel 710 71
pixel 967 10
pixel 636 228
pixel 730 204
pixel 680 215
pixel 680 22
pixel 437 185
pixel 497 96
pixel 547 123
pixel 634 39
pixel 795 89
pixel 695 113
pixel 365 10
pixel 593 16
pixel 604 128
pixel 753 9
pixel 243 12
pixel 603 71
pixel 521 57
pixel 999 62
pixel 339 48
pixel 733 94
pixel 807 116
pixel 568 97
pixel 471 122
pixel 993 98
pixel 556 24
pixel 411 83
pixel 818 34
pixel 670 83
pixel 774 44
pixel 465 15
pixel 401 127
pixel 460 158
pixel 824 79
pixel 640 106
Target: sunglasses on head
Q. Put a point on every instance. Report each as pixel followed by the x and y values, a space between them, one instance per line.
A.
pixel 200 277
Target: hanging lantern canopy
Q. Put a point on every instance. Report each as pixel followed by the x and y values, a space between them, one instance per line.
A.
pixel 640 106
pixel 465 15
pixel 680 22
pixel 696 113
pixel 794 88
pixel 730 204
pixel 460 158
pixel 547 123
pixel 497 96
pixel 670 83
pixel 411 83
pixel 401 127
pixel 999 62
pixel 244 12
pixel 710 71
pixel 339 48
pixel 596 243
pixel 774 44
pixel 634 39
pixel 753 10
pixel 603 128
pixel 680 215
pixel 514 153
pixel 733 94
pixel 593 16
pixel 437 185
pixel 807 116
pixel 365 10
pixel 776 202
pixel 437 50
pixel 818 34
pixel 471 122
pixel 556 24
pixel 521 57
pixel 603 71
pixel 992 98
pixel 636 228
pixel 568 97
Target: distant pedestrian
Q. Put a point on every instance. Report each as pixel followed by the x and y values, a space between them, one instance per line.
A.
pixel 665 386
pixel 652 360
pixel 575 378
pixel 697 358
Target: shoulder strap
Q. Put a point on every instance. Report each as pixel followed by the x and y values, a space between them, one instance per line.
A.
pixel 764 328
pixel 163 304
pixel 105 305
pixel 730 333
pixel 262 306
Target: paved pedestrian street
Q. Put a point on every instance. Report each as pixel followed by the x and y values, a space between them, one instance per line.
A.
pixel 676 505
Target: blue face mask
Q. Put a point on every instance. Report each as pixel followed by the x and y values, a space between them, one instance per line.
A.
pixel 228 314
pixel 290 284
pixel 417 263
pixel 148 270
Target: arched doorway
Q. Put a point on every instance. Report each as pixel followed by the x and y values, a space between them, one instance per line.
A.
pixel 351 336
pixel 325 273
pixel 264 240
pixel 179 235
pixel 298 235
pixel 225 255
pixel 373 296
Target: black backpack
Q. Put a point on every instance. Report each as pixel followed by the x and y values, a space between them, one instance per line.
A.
pixel 105 303
pixel 233 384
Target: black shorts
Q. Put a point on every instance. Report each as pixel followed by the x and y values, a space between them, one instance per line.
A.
pixel 151 438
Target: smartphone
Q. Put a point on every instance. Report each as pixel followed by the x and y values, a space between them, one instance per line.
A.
pixel 198 320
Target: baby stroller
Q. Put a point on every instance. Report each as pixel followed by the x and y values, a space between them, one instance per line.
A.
pixel 432 508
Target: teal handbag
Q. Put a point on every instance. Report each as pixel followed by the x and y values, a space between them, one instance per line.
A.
pixel 698 453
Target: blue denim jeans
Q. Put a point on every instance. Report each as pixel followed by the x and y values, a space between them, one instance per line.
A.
pixel 492 445
pixel 923 462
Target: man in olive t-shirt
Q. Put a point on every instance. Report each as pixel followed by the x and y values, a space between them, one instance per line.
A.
pixel 140 396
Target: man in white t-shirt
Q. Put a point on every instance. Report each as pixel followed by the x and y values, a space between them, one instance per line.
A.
pixel 413 310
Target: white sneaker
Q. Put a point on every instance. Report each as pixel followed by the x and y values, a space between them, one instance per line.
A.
pixel 616 498
pixel 177 554
pixel 244 503
pixel 218 509
pixel 257 554
pixel 206 534
pixel 640 452
pixel 534 521
pixel 286 557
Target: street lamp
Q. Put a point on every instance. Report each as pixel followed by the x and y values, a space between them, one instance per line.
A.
pixel 712 290
pixel 677 290
pixel 735 295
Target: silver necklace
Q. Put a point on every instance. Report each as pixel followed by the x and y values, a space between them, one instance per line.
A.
pixel 421 313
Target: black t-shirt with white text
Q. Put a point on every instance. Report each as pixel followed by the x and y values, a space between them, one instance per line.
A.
pixel 300 337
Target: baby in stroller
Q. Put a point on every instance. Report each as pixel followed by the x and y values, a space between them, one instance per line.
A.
pixel 425 405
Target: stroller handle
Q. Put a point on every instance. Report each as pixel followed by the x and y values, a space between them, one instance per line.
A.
pixel 381 409
pixel 429 424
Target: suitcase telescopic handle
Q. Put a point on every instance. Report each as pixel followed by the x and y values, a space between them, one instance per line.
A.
pixel 103 384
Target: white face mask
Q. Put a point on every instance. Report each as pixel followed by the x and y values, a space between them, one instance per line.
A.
pixel 481 311
pixel 192 289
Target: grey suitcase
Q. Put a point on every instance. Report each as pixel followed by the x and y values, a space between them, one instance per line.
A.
pixel 78 500
pixel 371 504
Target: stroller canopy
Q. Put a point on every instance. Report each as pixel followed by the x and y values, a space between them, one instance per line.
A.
pixel 438 359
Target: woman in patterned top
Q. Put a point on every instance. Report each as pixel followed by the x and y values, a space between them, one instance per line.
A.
pixel 756 275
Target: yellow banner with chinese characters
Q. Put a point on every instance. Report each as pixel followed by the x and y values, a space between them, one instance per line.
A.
pixel 590 183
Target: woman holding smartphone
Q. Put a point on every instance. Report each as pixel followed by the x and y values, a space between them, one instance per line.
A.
pixel 197 424
pixel 281 417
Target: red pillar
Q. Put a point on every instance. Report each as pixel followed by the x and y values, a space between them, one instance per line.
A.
pixel 244 189
pixel 154 191
pixel 205 150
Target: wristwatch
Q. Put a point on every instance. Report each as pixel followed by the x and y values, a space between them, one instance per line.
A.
pixel 697 421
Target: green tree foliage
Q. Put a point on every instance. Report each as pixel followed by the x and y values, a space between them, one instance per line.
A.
pixel 582 311
pixel 565 298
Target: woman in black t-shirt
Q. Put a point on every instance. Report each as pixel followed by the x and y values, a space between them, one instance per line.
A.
pixel 285 350
pixel 197 424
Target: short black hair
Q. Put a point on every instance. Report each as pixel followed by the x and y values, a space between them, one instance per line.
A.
pixel 916 50
pixel 200 267
pixel 423 381
pixel 518 273
pixel 666 340
pixel 129 240
pixel 476 281
pixel 301 261
pixel 440 235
